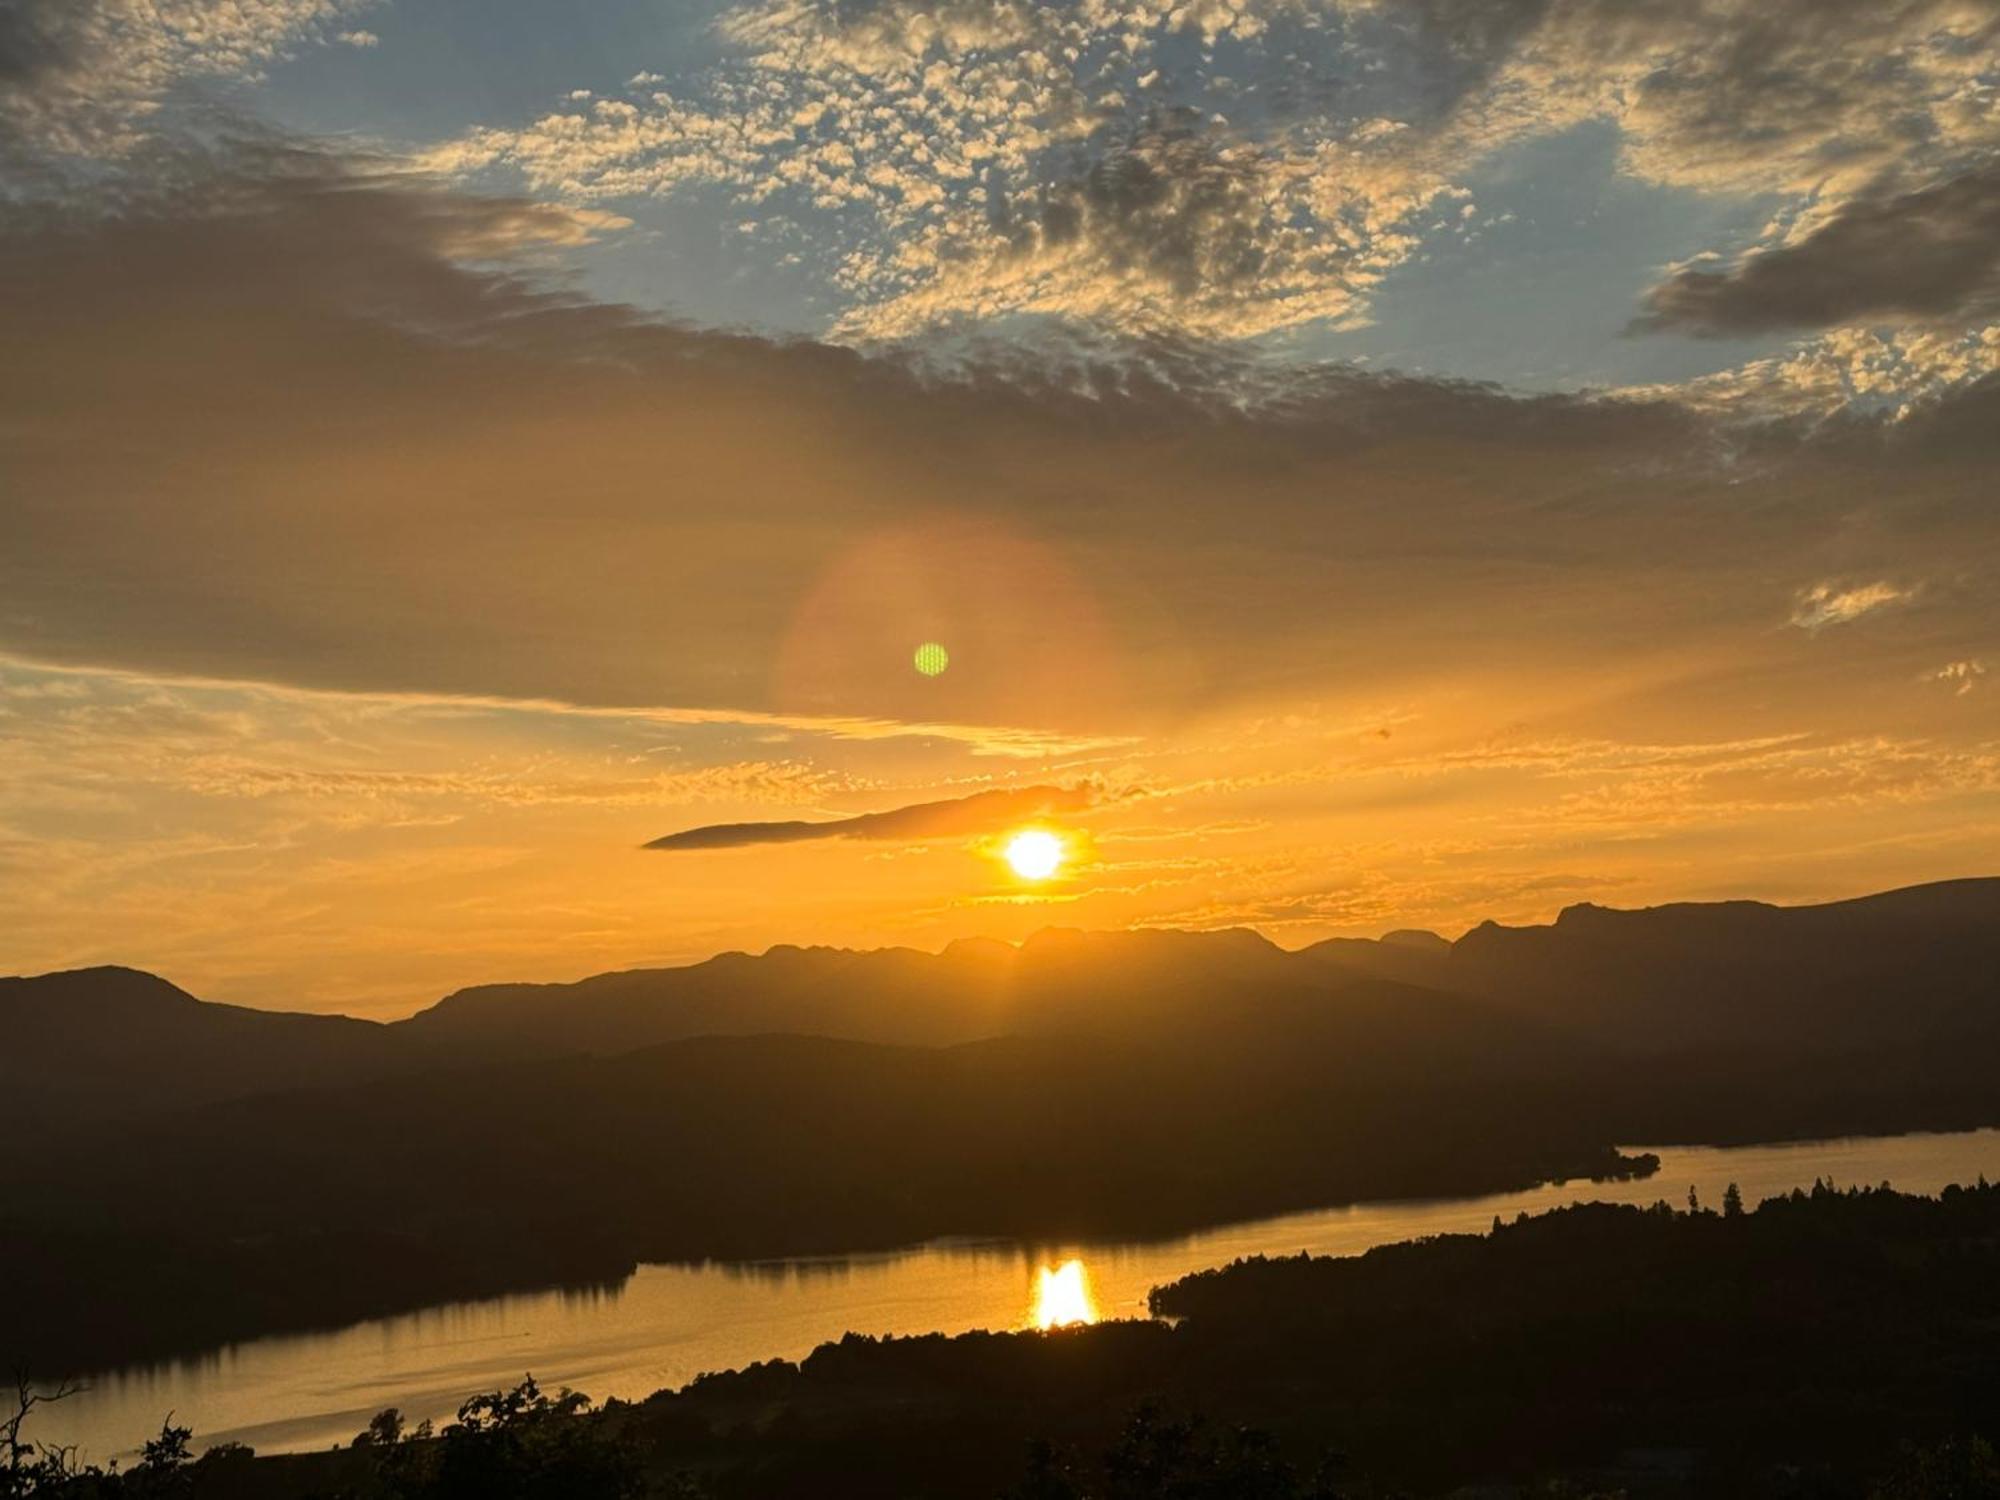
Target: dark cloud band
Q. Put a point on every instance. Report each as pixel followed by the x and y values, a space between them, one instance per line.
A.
pixel 983 812
pixel 1930 254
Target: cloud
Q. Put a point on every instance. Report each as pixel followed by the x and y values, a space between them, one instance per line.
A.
pixel 1235 170
pixel 1849 372
pixel 81 78
pixel 1827 604
pixel 982 812
pixel 1177 226
pixel 1088 161
pixel 343 429
pixel 1931 255
pixel 1960 676
pixel 1753 96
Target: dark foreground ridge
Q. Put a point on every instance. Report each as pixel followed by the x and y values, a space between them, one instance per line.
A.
pixel 1829 1344
pixel 186 1174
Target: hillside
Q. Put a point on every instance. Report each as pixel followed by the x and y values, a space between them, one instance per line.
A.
pixel 818 1100
pixel 1914 965
pixel 572 1169
pixel 1908 965
pixel 94 1045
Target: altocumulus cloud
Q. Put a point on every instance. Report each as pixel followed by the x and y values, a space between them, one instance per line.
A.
pixel 982 812
pixel 1827 604
pixel 1230 170
pixel 86 78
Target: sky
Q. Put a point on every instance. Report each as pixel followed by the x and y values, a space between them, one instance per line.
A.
pixel 475 475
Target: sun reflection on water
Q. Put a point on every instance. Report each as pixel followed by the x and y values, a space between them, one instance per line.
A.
pixel 1063 1297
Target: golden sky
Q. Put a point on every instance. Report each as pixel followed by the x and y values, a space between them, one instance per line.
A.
pixel 380 572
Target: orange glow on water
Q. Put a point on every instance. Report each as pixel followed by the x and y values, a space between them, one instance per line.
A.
pixel 1063 1297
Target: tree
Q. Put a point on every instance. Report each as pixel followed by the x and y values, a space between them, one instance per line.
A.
pixel 384 1430
pixel 168 1452
pixel 1732 1202
pixel 164 1462
pixel 29 1468
pixel 525 1445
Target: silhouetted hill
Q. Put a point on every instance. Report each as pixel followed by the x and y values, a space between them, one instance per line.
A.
pixel 104 1043
pixel 1057 981
pixel 1419 958
pixel 823 1100
pixel 1901 965
pixel 1905 965
pixel 748 1147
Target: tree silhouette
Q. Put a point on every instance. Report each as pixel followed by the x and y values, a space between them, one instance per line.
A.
pixel 521 1444
pixel 32 1468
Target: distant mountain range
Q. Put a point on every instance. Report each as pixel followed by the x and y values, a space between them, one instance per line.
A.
pixel 187 1172
pixel 1904 966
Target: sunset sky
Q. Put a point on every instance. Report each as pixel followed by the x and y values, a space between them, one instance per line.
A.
pixel 1369 465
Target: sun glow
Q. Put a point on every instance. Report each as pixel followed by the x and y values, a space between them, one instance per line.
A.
pixel 1063 1297
pixel 1035 853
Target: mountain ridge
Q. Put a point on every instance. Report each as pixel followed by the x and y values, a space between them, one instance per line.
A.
pixel 1914 962
pixel 812 1100
pixel 1982 891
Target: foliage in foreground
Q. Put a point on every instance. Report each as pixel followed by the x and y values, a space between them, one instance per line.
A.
pixel 521 1444
pixel 165 1468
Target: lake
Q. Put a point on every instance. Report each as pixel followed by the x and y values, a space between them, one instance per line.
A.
pixel 669 1323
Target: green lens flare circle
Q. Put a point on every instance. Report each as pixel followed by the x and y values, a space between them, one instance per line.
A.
pixel 931 658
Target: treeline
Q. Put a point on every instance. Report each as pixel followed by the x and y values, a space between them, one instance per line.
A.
pixel 1831 1345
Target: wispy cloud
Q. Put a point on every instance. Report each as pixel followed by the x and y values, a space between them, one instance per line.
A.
pixel 1011 742
pixel 1827 604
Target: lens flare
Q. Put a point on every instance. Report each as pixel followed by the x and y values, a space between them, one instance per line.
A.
pixel 931 658
pixel 1035 853
pixel 1063 1297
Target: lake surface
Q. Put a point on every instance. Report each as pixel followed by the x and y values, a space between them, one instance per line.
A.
pixel 669 1323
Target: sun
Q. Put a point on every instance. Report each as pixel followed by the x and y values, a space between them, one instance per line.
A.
pixel 1035 853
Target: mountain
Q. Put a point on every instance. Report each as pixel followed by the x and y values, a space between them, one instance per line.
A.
pixel 1906 968
pixel 110 1043
pixel 1059 981
pixel 1919 964
pixel 1903 965
pixel 238 1170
